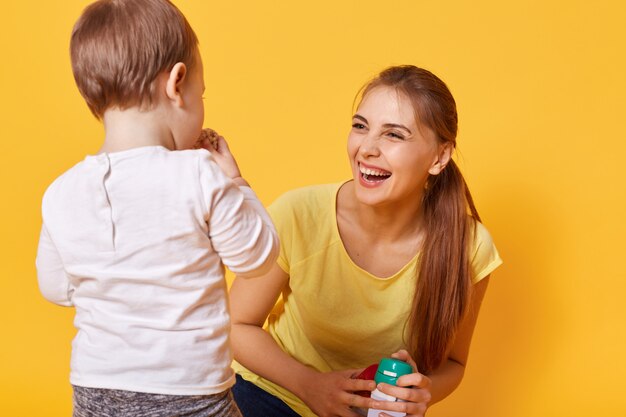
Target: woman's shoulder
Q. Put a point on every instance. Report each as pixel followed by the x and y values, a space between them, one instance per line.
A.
pixel 305 209
pixel 312 198
pixel 305 221
pixel 481 234
pixel 484 255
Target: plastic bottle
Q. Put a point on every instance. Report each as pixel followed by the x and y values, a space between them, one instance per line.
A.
pixel 389 370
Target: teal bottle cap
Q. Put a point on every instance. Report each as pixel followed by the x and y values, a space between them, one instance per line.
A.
pixel 389 370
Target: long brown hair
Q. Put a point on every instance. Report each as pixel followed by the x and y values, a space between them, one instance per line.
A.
pixel 444 282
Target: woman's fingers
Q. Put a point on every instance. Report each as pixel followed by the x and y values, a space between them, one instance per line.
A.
pixel 414 380
pixel 335 393
pixel 355 401
pixel 415 395
pixel 409 408
pixel 403 355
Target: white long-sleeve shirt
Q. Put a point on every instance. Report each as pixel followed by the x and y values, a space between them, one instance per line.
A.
pixel 136 242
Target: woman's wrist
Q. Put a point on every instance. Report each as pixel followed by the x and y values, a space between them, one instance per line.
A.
pixel 303 381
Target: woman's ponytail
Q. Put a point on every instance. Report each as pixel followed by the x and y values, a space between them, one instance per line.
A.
pixel 444 283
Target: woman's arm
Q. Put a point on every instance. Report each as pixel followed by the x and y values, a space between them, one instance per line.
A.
pixel 427 390
pixel 251 301
pixel 448 376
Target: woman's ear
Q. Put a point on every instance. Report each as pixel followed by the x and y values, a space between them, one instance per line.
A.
pixel 443 157
pixel 173 85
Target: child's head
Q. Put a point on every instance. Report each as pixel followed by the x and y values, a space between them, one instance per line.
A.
pixel 120 47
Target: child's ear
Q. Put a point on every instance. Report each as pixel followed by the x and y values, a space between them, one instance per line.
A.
pixel 443 157
pixel 173 86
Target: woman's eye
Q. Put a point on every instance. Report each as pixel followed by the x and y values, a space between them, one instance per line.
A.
pixel 395 135
pixel 358 126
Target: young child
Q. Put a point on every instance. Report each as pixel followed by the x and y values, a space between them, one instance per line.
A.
pixel 137 236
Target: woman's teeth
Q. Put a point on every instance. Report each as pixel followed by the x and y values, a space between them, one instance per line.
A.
pixel 374 174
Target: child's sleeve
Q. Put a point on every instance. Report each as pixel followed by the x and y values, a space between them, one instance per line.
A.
pixel 54 283
pixel 240 228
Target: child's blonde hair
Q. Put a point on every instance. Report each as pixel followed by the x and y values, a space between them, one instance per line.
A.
pixel 119 47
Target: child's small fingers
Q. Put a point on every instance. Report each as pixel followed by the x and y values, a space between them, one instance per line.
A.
pixel 205 144
pixel 208 139
pixel 221 145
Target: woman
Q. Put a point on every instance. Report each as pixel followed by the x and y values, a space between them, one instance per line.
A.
pixel 394 263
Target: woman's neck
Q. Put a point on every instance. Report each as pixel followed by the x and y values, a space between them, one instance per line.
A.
pixel 389 223
pixel 380 240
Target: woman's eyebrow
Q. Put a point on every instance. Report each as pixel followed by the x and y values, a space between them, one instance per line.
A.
pixel 361 118
pixel 386 125
pixel 398 126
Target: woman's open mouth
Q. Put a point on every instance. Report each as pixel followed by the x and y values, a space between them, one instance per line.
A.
pixel 373 175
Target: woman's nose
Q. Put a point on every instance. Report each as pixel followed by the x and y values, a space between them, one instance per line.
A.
pixel 369 145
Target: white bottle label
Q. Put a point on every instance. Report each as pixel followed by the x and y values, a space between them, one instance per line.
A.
pixel 381 396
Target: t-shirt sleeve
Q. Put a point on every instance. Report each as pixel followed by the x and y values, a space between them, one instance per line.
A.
pixel 240 228
pixel 282 213
pixel 484 254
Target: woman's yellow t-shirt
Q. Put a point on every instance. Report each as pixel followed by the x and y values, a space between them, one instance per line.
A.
pixel 335 315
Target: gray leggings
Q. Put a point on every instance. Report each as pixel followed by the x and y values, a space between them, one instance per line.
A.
pixel 99 402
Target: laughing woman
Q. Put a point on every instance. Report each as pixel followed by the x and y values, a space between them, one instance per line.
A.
pixel 394 262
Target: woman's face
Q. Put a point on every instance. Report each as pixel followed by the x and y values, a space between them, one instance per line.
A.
pixel 390 154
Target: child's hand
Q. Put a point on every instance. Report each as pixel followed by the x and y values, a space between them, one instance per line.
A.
pixel 207 140
pixel 216 144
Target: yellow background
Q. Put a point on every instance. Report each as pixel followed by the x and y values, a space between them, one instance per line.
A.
pixel 540 87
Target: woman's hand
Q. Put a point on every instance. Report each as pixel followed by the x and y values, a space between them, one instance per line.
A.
pixel 413 389
pixel 332 394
